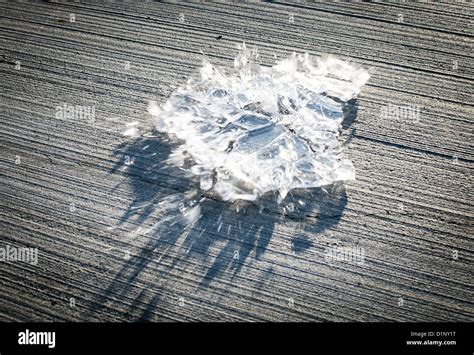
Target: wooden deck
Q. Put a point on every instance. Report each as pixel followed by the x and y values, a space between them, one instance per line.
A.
pixel 67 185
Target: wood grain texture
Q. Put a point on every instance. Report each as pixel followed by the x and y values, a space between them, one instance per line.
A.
pixel 410 209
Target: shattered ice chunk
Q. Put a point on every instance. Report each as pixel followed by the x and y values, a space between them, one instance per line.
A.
pixel 253 129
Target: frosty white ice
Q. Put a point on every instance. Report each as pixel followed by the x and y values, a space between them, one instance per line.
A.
pixel 253 129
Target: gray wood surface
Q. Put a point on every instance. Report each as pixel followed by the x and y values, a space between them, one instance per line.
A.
pixel 66 188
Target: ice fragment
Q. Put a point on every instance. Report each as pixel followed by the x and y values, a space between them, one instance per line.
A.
pixel 254 129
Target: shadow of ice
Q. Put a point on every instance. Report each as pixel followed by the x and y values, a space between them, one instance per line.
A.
pixel 220 242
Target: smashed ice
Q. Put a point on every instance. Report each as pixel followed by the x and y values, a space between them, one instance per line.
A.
pixel 254 129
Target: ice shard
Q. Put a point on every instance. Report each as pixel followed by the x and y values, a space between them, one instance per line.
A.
pixel 253 129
